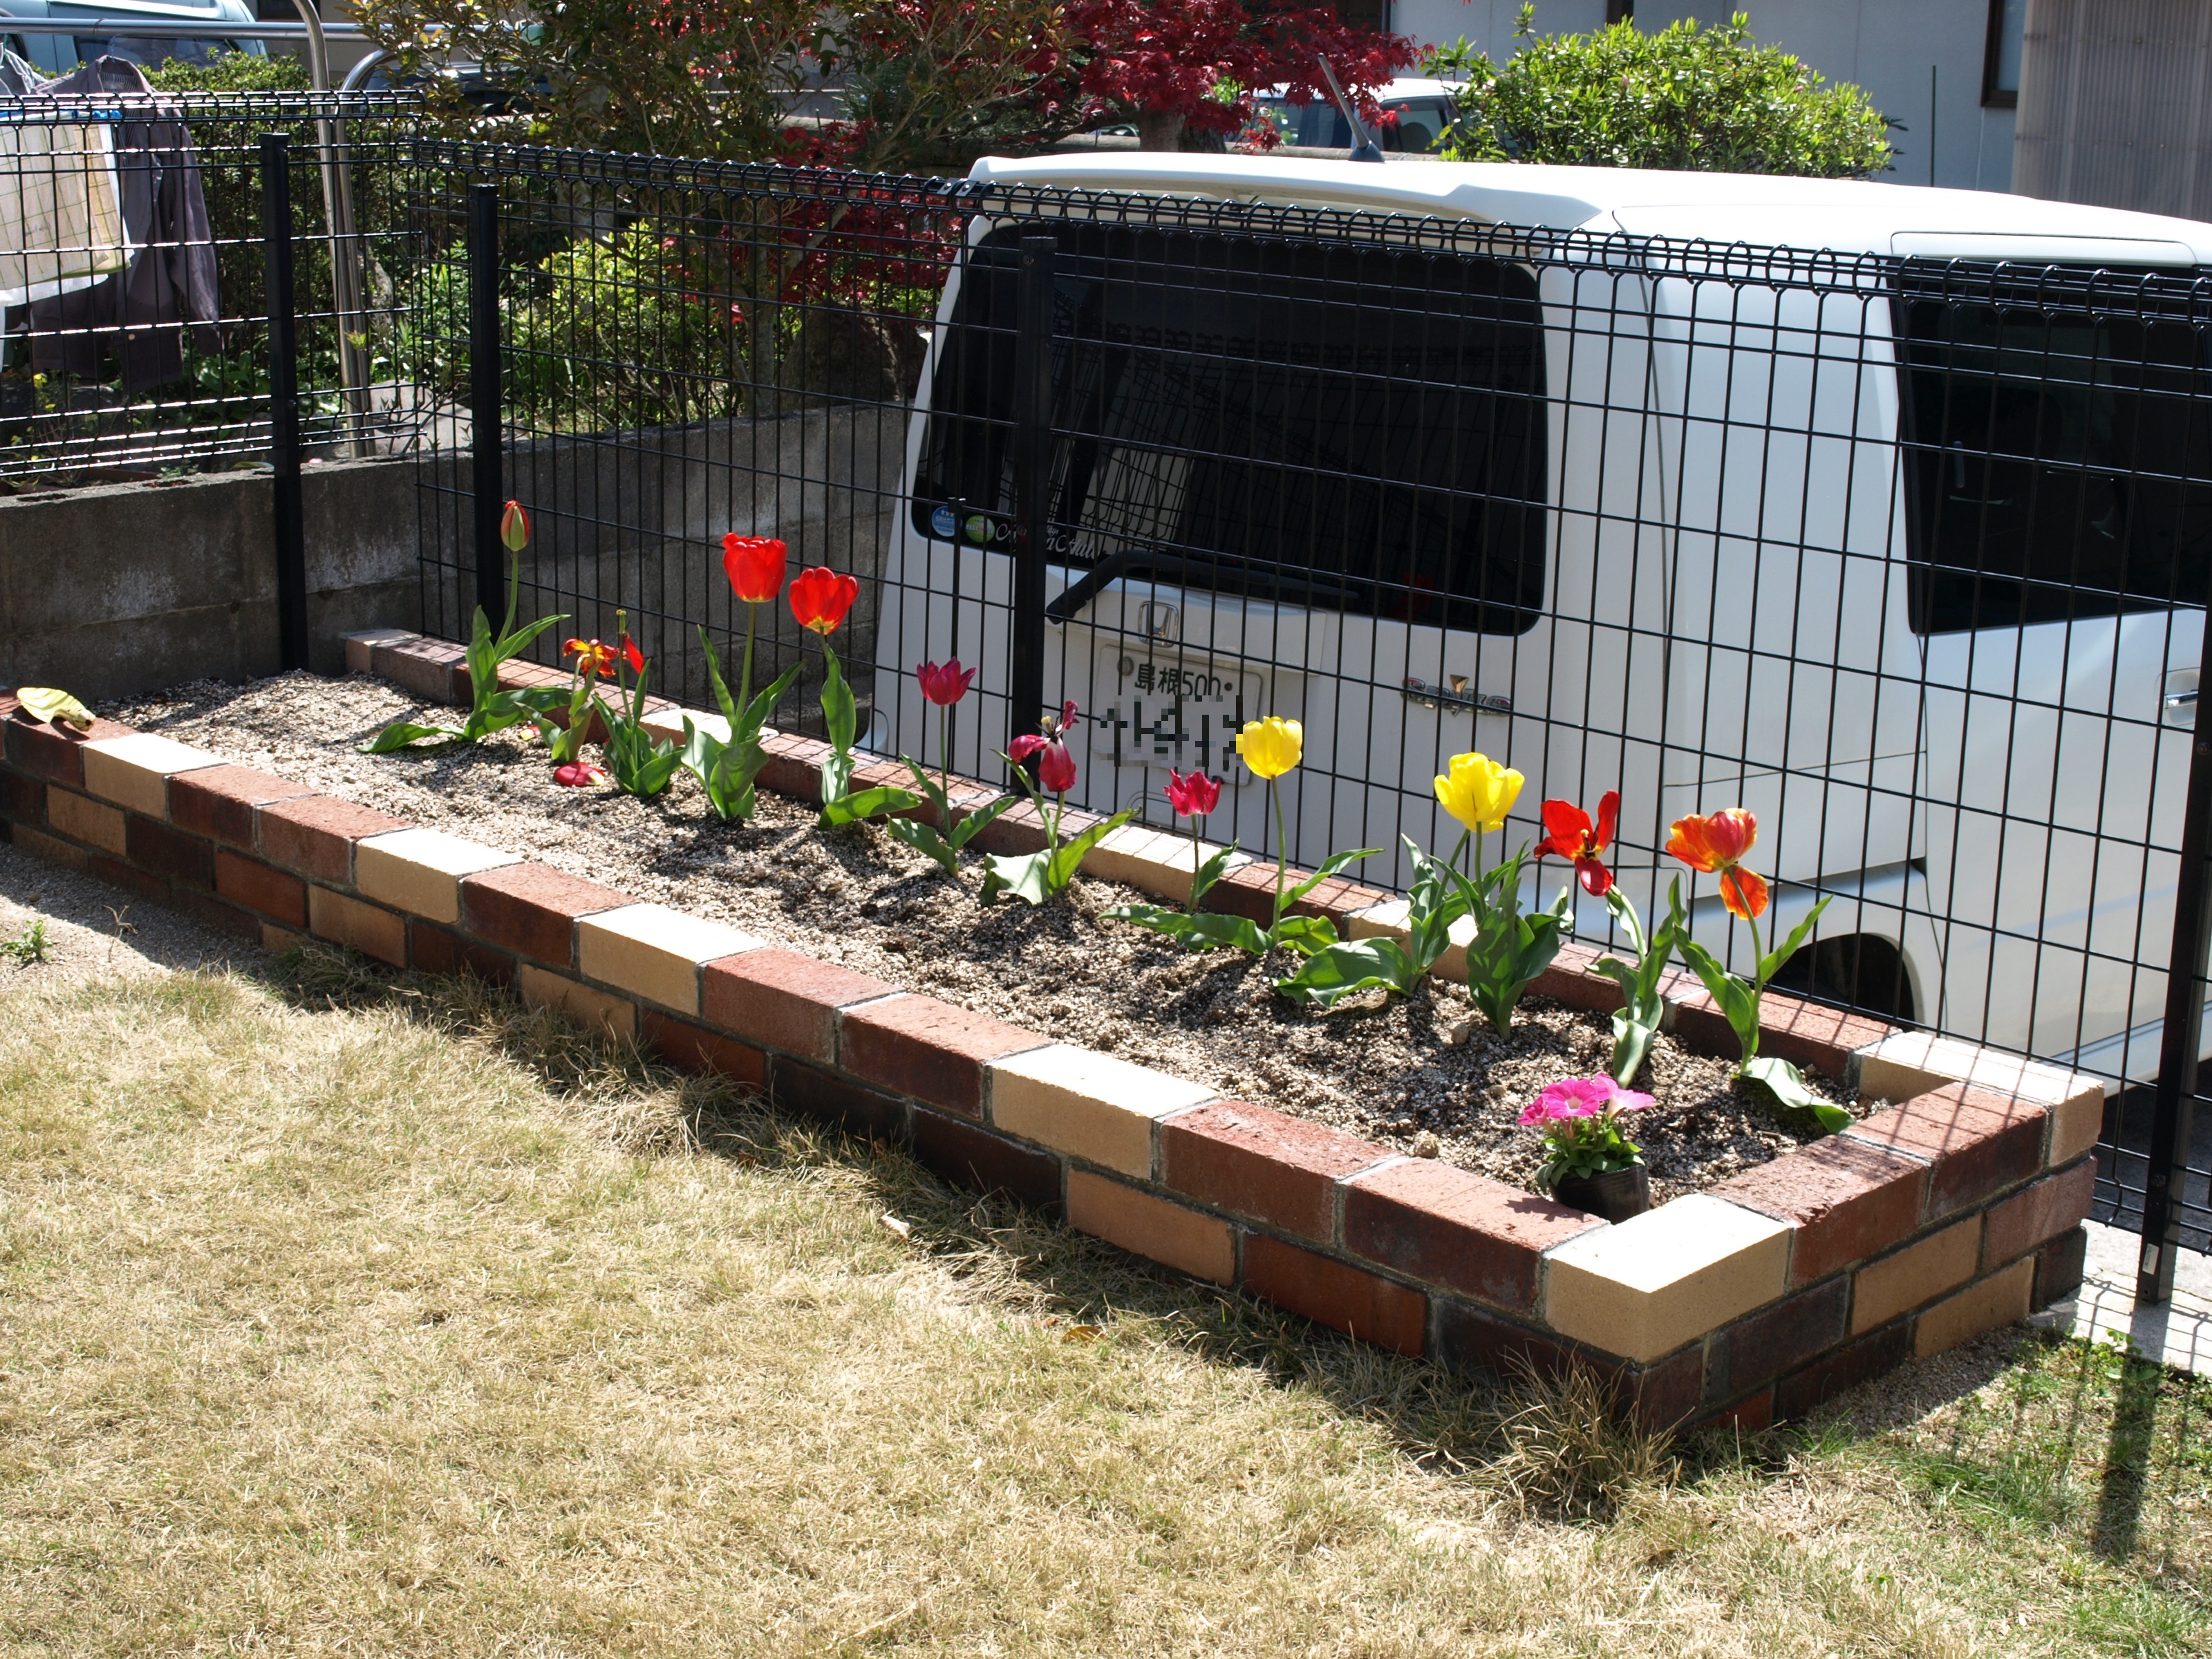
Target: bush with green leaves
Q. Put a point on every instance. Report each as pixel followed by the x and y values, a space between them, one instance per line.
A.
pixel 1689 99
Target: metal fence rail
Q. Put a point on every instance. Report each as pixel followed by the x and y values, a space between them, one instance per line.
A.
pixel 134 305
pixel 1909 557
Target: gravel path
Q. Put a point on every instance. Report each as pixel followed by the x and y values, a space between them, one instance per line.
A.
pixel 858 897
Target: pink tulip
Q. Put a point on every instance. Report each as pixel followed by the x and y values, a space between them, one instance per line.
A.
pixel 1192 794
pixel 944 684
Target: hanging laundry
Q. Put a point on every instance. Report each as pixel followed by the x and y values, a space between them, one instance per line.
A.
pixel 166 280
pixel 61 205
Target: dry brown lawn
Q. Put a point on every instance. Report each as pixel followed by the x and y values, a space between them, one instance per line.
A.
pixel 344 1315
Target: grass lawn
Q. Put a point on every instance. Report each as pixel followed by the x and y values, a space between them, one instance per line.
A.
pixel 360 1315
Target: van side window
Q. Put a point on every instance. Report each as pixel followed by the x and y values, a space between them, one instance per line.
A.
pixel 2057 453
pixel 1221 403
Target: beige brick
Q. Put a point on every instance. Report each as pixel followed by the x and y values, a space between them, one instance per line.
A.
pixel 1911 1063
pixel 668 723
pixel 1390 918
pixel 1919 1273
pixel 45 846
pixel 86 820
pixel 1187 1240
pixel 369 930
pixel 134 771
pixel 2000 1299
pixel 420 870
pixel 1152 860
pixel 654 953
pixel 361 648
pixel 1645 1287
pixel 615 1016
pixel 1088 1104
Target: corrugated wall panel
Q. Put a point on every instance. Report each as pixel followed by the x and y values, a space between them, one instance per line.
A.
pixel 2116 105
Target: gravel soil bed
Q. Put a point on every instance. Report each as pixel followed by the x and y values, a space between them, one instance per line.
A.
pixel 1388 1071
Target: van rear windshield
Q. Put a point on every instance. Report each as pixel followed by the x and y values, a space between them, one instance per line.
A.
pixel 2057 431
pixel 1351 426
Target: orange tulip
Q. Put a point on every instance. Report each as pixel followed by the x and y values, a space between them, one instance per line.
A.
pixel 593 659
pixel 1716 843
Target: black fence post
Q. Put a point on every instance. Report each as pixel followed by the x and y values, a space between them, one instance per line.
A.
pixel 487 417
pixel 1032 458
pixel 2183 1036
pixel 291 530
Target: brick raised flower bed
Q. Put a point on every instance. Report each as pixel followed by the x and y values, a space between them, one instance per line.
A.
pixel 1918 1227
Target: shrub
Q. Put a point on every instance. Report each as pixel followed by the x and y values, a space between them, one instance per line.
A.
pixel 1690 98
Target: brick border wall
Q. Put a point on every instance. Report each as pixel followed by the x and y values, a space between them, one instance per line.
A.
pixel 1927 1224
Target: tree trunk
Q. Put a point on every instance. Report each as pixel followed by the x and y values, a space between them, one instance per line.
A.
pixel 1158 129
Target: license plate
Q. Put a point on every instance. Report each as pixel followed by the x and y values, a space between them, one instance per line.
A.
pixel 1165 709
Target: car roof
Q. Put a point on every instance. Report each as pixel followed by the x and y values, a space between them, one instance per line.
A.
pixel 1843 215
pixel 1411 87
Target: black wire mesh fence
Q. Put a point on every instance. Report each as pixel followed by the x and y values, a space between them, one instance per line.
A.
pixel 133 269
pixel 1909 557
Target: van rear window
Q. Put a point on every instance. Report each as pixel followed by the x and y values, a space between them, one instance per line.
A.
pixel 2058 452
pixel 1352 426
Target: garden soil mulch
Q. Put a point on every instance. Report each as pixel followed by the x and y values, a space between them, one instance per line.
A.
pixel 1388 1071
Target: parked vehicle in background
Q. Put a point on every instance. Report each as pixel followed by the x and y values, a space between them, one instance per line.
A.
pixel 1419 111
pixel 107 31
pixel 1884 512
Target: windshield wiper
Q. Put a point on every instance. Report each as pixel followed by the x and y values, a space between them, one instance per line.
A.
pixel 1295 589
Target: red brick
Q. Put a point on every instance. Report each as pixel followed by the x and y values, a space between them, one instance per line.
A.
pixel 517 675
pixel 2058 1267
pixel 440 951
pixel 170 853
pixel 22 799
pixel 1665 1396
pixel 1018 830
pixel 1749 1416
pixel 206 909
pixel 1263 1163
pixel 975 1158
pixel 1805 1033
pixel 1431 1222
pixel 119 874
pixel 436 670
pixel 784 1000
pixel 1334 1293
pixel 532 909
pixel 838 1101
pixel 314 836
pixel 1249 890
pixel 9 705
pixel 1569 980
pixel 40 845
pixel 54 753
pixel 794 766
pixel 928 1050
pixel 1845 1368
pixel 695 1048
pixel 1471 1338
pixel 1847 1200
pixel 1777 1341
pixel 218 801
pixel 1978 1143
pixel 2046 1210
pixel 274 893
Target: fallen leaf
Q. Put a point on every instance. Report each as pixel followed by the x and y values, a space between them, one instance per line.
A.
pixel 56 708
pixel 1079 1333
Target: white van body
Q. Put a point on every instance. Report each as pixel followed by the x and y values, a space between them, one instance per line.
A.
pixel 1724 617
pixel 106 32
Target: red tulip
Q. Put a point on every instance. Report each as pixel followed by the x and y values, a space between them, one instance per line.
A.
pixel 1716 843
pixel 1573 836
pixel 755 566
pixel 632 655
pixel 944 684
pixel 1192 794
pixel 820 597
pixel 592 658
pixel 1055 766
pixel 514 528
pixel 577 774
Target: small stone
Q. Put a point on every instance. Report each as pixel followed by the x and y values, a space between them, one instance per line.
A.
pixel 1425 1145
pixel 1458 1032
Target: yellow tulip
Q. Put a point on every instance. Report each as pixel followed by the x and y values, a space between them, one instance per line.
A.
pixel 1273 746
pixel 1479 792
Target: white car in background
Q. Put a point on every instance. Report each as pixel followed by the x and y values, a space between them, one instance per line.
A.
pixel 106 30
pixel 1712 517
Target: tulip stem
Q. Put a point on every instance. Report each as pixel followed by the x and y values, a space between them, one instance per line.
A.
pixel 1196 864
pixel 944 761
pixel 1282 846
pixel 746 678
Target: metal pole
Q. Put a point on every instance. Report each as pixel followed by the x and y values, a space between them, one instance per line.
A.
pixel 337 220
pixel 291 533
pixel 487 415
pixel 1032 458
pixel 2182 1038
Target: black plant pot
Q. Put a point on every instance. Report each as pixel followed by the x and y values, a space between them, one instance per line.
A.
pixel 1617 1194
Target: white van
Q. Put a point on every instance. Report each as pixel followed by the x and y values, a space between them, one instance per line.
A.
pixel 107 31
pixel 1624 513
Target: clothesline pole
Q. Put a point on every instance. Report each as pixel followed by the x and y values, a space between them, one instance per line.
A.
pixel 291 533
